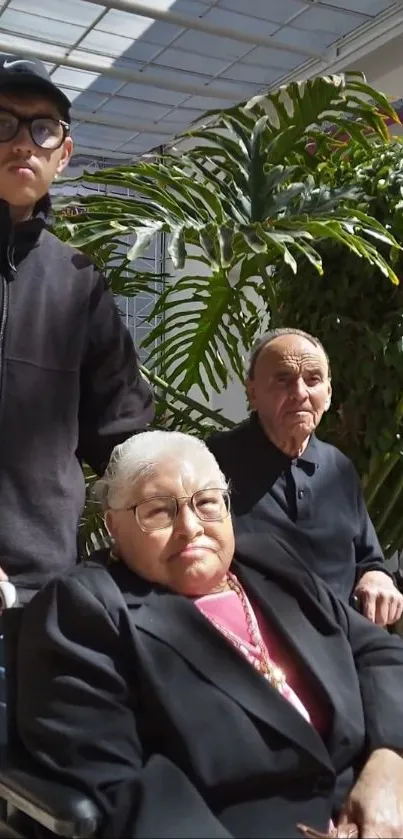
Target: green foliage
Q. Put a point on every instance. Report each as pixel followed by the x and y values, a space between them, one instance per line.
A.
pixel 358 315
pixel 178 411
pixel 288 210
pixel 241 204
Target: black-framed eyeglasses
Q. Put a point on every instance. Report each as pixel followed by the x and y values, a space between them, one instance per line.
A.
pixel 46 132
pixel 162 510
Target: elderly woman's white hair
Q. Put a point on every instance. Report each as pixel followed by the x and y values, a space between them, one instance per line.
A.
pixel 140 455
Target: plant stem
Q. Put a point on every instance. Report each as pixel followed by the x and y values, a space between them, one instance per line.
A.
pixel 186 400
pixel 397 492
pixel 395 539
pixel 270 292
pixel 380 477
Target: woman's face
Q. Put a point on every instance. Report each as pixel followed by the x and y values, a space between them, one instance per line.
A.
pixel 189 556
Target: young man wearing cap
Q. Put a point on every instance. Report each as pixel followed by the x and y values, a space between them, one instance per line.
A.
pixel 70 387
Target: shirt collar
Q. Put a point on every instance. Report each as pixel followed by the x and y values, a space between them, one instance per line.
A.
pixel 309 460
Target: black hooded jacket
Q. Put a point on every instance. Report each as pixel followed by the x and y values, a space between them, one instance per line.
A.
pixel 70 389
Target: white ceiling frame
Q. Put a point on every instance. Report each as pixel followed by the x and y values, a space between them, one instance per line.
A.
pixel 156 80
pixel 352 47
pixel 362 41
pixel 86 32
pixel 87 151
pixel 189 22
pixel 101 118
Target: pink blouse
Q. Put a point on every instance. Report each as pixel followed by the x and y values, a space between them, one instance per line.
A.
pixel 225 609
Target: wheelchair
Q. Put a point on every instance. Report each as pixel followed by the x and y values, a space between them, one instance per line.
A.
pixel 33 804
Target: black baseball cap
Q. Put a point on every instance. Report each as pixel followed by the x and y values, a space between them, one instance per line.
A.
pixel 19 73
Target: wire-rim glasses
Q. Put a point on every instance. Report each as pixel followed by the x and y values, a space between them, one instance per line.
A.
pixel 161 511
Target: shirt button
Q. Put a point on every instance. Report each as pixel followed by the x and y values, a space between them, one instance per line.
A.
pixel 301 493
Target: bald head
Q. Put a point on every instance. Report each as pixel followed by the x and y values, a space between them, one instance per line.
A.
pixel 290 389
pixel 271 336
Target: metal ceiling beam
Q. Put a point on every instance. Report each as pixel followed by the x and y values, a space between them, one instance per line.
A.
pixel 87 151
pixel 158 80
pixel 118 121
pixel 364 40
pixel 201 25
pixel 368 37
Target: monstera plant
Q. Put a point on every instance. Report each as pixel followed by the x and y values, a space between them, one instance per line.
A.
pixel 256 205
pixel 358 314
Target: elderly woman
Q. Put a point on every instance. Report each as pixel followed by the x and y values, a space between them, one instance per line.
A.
pixel 192 696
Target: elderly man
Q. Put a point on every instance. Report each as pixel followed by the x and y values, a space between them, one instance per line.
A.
pixel 284 480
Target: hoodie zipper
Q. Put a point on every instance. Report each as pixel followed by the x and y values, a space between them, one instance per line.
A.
pixel 4 307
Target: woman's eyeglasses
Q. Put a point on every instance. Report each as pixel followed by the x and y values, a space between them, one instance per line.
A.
pixel 162 511
pixel 45 132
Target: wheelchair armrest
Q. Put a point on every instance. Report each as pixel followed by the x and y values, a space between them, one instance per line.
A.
pixel 62 810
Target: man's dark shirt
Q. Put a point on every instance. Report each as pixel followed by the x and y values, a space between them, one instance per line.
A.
pixel 314 502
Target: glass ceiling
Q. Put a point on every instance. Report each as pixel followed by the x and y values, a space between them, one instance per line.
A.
pixel 136 81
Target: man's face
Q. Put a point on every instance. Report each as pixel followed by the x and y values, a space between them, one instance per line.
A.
pixel 291 387
pixel 26 170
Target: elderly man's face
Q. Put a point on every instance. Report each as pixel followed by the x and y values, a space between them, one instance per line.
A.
pixel 291 388
pixel 190 556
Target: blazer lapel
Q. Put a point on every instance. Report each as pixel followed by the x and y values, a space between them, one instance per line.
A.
pixel 285 614
pixel 178 623
pixel 319 647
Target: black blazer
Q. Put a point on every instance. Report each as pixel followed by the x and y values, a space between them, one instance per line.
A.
pixel 129 693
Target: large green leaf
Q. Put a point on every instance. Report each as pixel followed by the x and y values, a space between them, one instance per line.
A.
pixel 203 353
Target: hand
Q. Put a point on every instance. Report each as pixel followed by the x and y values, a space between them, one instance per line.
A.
pixel 374 807
pixel 381 602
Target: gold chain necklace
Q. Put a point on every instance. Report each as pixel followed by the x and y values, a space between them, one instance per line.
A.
pixel 263 663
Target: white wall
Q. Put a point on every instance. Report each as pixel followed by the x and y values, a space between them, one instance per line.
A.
pixel 232 402
pixel 384 70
